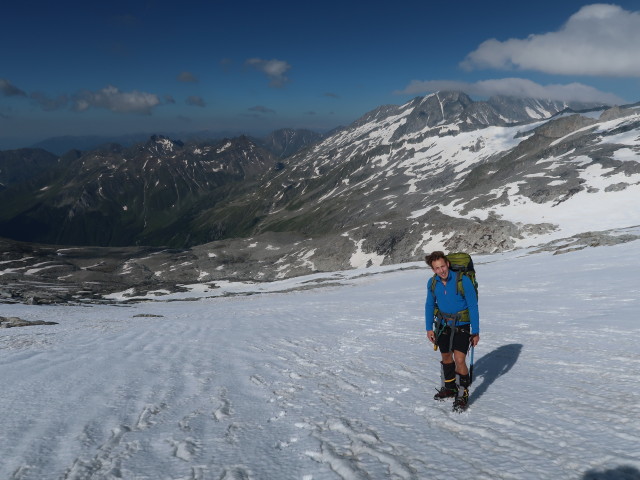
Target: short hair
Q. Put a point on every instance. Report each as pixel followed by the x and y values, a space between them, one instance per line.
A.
pixel 437 255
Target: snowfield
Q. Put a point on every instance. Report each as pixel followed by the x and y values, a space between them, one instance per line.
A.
pixel 334 382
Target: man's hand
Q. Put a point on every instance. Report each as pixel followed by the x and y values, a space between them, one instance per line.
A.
pixel 474 339
pixel 431 336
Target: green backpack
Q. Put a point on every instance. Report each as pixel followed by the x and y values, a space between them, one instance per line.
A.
pixel 463 264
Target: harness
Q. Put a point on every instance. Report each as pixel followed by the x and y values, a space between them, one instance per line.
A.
pixel 444 323
pixel 455 322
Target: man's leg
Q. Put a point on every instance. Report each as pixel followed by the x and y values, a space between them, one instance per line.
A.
pixel 448 375
pixel 460 359
pixel 462 381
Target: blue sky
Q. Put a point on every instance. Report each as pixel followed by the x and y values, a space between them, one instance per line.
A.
pixel 82 68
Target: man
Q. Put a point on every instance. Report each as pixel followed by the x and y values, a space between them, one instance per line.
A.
pixel 455 327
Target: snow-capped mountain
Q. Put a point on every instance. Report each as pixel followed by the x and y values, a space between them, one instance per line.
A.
pixel 403 180
pixel 440 172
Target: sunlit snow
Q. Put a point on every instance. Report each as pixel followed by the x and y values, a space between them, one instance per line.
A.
pixel 333 382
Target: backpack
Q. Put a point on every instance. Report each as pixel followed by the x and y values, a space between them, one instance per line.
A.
pixel 462 263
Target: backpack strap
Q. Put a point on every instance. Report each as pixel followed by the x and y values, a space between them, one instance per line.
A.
pixel 432 287
pixel 459 286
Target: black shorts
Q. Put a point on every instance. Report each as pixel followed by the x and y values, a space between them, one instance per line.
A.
pixel 460 339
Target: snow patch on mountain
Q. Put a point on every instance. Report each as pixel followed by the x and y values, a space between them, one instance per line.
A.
pixel 360 259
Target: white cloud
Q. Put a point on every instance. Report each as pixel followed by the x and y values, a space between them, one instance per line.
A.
pixel 599 39
pixel 274 69
pixel 111 98
pixel 517 87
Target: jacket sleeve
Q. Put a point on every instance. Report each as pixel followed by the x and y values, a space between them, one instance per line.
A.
pixel 472 304
pixel 429 306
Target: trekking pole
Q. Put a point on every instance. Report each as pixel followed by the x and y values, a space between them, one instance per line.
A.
pixel 471 366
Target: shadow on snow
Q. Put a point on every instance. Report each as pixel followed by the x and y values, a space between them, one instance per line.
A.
pixel 491 366
pixel 619 473
pixel 495 364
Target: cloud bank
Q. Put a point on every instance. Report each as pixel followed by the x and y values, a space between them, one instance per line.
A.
pixel 599 40
pixel 274 69
pixel 111 98
pixel 515 87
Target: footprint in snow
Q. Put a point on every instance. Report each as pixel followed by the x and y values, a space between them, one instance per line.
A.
pixel 185 449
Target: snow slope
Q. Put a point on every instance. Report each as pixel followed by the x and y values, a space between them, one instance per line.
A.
pixel 334 382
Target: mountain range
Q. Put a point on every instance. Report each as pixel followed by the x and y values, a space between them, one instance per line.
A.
pixel 441 171
pixel 282 142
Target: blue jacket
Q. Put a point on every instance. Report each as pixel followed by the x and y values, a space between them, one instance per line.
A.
pixel 451 302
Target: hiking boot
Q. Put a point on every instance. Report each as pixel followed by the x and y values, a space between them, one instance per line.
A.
pixel 445 392
pixel 461 402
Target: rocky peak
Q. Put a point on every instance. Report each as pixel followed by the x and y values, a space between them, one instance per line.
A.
pixel 159 144
pixel 435 110
pixel 443 113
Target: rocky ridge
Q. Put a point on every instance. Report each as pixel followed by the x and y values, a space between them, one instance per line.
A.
pixel 48 275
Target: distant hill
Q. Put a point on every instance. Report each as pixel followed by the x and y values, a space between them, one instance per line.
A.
pixel 21 165
pixel 146 194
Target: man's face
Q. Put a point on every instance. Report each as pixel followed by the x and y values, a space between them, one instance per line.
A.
pixel 441 268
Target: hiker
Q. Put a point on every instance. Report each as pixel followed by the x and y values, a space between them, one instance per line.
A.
pixel 453 325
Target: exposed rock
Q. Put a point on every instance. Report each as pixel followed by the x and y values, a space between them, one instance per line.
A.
pixel 9 322
pixel 587 239
pixel 616 187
